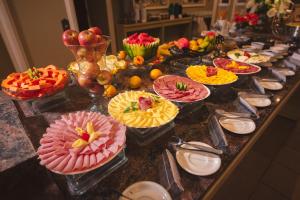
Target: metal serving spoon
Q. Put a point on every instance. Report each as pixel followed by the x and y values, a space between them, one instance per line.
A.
pixel 178 142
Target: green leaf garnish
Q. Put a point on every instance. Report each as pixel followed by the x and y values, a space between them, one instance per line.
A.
pixel 133 107
pixel 155 98
pixel 181 86
pixel 237 55
pixel 33 73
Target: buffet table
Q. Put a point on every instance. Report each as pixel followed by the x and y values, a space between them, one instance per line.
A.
pixel 145 154
pixel 144 161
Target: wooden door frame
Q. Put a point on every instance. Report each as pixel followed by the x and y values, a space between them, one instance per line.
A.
pixel 71 13
pixel 11 38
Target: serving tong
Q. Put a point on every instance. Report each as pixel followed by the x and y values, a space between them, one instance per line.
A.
pixel 178 142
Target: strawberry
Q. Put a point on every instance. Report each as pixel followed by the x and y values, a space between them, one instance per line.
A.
pixel 85 136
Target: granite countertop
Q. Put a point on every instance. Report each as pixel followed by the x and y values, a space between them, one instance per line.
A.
pixel 15 146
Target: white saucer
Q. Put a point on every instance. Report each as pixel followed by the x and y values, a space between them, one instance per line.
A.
pixel 258 102
pixel 146 190
pixel 287 72
pixel 238 126
pixel 271 85
pixel 200 164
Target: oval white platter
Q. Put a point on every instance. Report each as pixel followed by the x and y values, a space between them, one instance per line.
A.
pixel 258 102
pixel 271 85
pixel 200 163
pixel 146 190
pixel 238 125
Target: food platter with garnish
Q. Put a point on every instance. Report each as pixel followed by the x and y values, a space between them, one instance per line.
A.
pixel 139 109
pixel 236 67
pixel 35 83
pixel 247 57
pixel 180 89
pixel 210 75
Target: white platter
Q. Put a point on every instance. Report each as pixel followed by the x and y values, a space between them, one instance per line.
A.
pixel 271 85
pixel 238 125
pixel 200 163
pixel 258 102
pixel 146 190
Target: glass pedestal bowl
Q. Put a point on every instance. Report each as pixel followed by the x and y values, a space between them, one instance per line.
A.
pixel 86 70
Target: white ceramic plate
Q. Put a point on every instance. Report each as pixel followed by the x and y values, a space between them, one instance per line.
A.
pixel 258 102
pixel 146 190
pixel 238 125
pixel 200 164
pixel 271 85
pixel 254 59
pixel 287 72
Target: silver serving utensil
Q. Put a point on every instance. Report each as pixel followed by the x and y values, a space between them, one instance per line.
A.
pixel 268 80
pixel 253 95
pixel 197 146
pixel 232 114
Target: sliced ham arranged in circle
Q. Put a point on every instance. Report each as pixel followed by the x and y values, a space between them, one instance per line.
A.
pixel 236 66
pixel 57 151
pixel 180 89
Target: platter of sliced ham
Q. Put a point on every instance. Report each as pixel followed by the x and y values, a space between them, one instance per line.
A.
pixel 180 89
pixel 236 66
pixel 80 142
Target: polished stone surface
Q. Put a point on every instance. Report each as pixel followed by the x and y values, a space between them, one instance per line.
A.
pixel 15 146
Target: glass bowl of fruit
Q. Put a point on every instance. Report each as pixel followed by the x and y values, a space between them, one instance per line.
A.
pixel 89 49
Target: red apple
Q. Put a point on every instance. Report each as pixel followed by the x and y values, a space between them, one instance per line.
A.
pixel 89 69
pixel 84 81
pixel 70 37
pixel 99 38
pixel 96 30
pixel 86 38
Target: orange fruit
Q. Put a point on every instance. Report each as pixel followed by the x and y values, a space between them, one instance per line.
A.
pixel 135 82
pixel 122 55
pixel 155 73
pixel 138 60
pixel 110 91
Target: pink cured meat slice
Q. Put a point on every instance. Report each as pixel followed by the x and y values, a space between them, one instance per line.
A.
pixel 113 148
pixel 86 161
pixel 79 162
pixel 94 147
pixel 63 163
pixel 86 150
pixel 49 159
pixel 55 162
pixel 99 157
pixel 71 163
pixel 45 156
pixel 46 140
pixel 105 152
pixel 43 150
pixel 93 160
